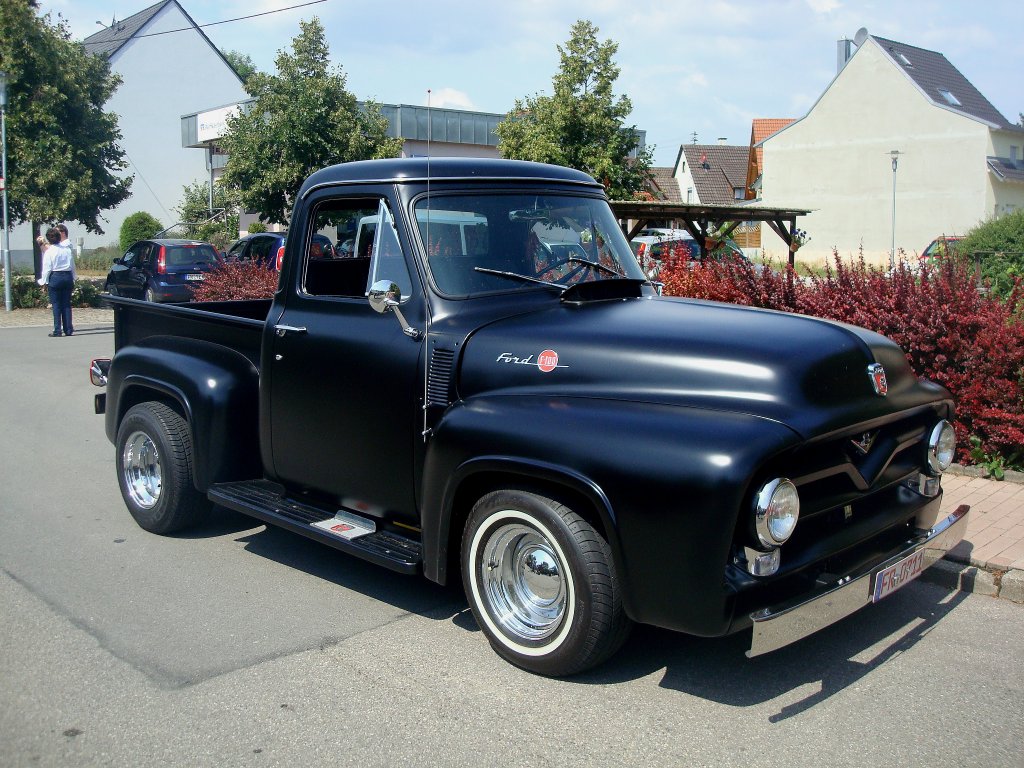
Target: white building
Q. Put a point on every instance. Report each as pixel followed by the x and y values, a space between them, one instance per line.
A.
pixel 169 68
pixel 960 160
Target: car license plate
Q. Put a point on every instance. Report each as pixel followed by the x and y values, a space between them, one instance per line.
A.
pixel 200 276
pixel 898 575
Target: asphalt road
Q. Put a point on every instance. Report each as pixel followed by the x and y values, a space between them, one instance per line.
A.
pixel 242 646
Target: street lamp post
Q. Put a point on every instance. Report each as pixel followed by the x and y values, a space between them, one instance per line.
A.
pixel 895 155
pixel 3 184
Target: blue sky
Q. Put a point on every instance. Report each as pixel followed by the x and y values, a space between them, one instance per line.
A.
pixel 704 66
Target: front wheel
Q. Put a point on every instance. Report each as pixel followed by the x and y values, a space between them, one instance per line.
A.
pixel 149 295
pixel 154 469
pixel 541 584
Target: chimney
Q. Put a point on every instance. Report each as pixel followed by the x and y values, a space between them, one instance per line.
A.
pixel 844 50
pixel 722 140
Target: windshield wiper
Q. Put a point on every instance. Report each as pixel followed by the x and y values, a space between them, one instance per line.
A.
pixel 593 265
pixel 517 276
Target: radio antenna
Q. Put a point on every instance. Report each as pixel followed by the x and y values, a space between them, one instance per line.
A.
pixel 426 359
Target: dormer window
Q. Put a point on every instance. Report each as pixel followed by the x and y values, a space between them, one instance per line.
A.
pixel 952 100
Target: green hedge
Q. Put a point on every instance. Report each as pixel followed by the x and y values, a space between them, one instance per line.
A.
pixel 26 293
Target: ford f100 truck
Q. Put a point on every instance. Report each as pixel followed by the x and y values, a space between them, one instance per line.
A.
pixel 492 390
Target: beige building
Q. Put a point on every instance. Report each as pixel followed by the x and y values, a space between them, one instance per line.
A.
pixel 959 162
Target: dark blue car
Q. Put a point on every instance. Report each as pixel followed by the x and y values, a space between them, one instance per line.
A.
pixel 267 248
pixel 161 270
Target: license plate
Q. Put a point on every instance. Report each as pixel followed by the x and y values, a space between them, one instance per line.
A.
pixel 898 575
pixel 200 276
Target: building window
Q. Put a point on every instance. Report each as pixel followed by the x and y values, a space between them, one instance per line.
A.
pixel 1013 155
pixel 737 193
pixel 904 60
pixel 950 98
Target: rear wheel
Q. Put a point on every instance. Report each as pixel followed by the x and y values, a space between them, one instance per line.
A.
pixel 154 469
pixel 541 584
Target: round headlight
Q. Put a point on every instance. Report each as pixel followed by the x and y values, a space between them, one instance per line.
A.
pixel 776 510
pixel 941 447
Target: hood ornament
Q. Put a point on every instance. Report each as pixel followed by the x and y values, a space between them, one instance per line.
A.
pixel 877 375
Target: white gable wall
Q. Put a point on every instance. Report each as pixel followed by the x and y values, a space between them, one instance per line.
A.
pixel 836 161
pixel 163 78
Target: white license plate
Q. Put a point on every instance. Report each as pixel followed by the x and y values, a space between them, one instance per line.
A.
pixel 200 276
pixel 898 575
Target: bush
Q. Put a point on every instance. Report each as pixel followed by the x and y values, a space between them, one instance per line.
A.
pixel 98 259
pixel 1000 245
pixel 26 293
pixel 257 226
pixel 138 226
pixel 968 341
pixel 235 280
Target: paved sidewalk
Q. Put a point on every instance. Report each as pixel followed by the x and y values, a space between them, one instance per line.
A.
pixel 990 559
pixel 42 316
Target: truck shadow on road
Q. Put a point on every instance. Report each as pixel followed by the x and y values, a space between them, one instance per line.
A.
pixel 834 658
pixel 408 593
pixel 715 669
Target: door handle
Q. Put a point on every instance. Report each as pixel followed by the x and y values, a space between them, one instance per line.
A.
pixel 283 329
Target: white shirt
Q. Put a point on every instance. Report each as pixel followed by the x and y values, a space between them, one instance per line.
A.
pixel 57 258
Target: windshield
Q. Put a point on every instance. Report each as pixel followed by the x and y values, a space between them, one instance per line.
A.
pixel 488 243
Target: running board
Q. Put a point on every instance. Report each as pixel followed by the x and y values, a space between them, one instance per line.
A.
pixel 338 528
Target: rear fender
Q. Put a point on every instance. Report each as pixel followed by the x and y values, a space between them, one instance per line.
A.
pixel 215 388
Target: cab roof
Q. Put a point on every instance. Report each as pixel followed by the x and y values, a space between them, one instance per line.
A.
pixel 415 169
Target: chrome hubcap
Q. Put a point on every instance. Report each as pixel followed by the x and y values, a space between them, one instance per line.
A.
pixel 522 578
pixel 140 464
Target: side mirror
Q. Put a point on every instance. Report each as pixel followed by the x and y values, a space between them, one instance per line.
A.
pixel 384 296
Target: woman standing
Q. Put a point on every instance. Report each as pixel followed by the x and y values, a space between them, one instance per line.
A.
pixel 59 278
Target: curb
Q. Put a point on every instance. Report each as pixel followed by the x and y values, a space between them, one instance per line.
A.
pixel 1008 585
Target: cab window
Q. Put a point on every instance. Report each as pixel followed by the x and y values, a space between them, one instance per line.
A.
pixel 332 270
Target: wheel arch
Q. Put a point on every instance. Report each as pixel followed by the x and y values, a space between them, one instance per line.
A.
pixel 475 477
pixel 215 390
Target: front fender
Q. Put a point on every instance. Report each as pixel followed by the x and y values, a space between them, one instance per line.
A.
pixel 668 483
pixel 217 390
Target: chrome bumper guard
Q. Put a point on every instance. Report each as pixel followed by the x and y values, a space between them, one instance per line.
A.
pixel 786 623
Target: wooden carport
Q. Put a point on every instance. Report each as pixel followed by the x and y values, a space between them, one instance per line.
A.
pixel 699 220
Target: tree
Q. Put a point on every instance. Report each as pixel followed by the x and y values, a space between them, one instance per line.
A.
pixel 63 159
pixel 582 125
pixel 219 227
pixel 138 226
pixel 243 65
pixel 303 119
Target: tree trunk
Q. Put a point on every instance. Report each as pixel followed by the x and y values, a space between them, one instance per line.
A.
pixel 37 254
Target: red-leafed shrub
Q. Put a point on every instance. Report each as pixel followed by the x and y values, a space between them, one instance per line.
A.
pixel 952 333
pixel 235 280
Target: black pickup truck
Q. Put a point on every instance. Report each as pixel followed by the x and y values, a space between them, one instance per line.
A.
pixel 489 388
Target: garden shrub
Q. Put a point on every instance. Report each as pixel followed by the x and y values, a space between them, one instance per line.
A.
pixel 257 226
pixel 235 280
pixel 969 341
pixel 1000 245
pixel 138 226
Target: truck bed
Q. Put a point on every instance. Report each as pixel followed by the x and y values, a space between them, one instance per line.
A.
pixel 237 325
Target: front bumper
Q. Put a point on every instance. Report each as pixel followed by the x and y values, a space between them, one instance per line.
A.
pixel 785 623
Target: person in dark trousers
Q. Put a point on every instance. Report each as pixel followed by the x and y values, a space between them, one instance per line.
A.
pixel 59 278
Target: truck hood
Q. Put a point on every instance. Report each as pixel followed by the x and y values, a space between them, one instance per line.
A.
pixel 807 373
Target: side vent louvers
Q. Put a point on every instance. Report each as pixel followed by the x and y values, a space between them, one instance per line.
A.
pixel 439 377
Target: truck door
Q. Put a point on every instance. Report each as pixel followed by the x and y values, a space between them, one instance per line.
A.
pixel 345 382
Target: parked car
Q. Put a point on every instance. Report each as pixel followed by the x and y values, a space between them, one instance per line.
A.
pixel 653 251
pixel 944 245
pixel 161 270
pixel 267 248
